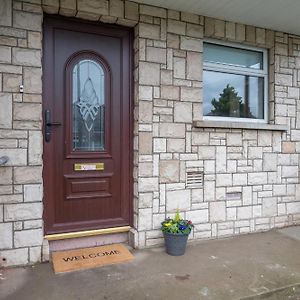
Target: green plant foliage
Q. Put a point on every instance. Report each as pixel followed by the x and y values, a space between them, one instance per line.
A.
pixel 177 217
pixel 177 225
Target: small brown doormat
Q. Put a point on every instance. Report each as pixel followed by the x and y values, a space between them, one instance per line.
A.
pixel 86 258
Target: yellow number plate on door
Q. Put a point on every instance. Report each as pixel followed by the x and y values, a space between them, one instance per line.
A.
pixel 89 167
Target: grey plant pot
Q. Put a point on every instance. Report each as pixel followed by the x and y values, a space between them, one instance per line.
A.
pixel 175 243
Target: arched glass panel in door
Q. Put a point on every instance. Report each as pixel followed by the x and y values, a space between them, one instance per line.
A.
pixel 88 106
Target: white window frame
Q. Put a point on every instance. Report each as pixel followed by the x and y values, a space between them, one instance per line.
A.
pixel 231 69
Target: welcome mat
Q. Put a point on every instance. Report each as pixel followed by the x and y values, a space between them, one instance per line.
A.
pixel 86 258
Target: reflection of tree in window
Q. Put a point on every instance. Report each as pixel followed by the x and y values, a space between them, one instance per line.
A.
pixel 230 104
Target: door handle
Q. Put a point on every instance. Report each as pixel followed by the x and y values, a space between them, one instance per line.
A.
pixel 53 124
pixel 48 125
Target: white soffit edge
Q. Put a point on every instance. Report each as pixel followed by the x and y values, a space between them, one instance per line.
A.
pixel 281 15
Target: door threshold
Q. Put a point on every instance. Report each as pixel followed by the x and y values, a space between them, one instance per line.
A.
pixel 78 234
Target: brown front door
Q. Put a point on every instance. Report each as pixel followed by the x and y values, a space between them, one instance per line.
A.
pixel 87 125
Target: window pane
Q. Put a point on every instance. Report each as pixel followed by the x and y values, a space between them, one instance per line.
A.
pixel 88 106
pixel 233 56
pixel 232 95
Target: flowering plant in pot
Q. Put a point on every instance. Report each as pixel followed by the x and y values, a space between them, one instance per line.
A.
pixel 176 232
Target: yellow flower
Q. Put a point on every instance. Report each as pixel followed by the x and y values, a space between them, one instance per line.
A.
pixel 167 224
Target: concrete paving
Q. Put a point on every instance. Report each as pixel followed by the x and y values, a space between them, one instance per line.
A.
pixel 264 266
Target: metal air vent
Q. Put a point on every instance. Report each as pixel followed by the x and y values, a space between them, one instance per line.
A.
pixel 194 179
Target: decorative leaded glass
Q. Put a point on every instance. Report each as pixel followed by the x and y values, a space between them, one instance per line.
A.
pixel 88 106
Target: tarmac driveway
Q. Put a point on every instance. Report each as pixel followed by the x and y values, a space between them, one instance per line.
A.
pixel 259 266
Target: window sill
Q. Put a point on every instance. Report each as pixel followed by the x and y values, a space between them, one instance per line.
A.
pixel 239 125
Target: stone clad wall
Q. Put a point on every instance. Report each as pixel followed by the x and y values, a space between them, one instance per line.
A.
pixel 250 177
pixel 21 233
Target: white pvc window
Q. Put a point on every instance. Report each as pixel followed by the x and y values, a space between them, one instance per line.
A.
pixel 235 80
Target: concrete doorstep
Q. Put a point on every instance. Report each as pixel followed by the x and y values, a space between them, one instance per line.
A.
pixel 254 266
